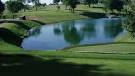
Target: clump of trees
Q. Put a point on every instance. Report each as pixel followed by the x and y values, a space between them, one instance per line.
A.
pixel 2 8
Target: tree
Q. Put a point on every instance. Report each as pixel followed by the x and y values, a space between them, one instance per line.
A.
pixel 14 6
pixel 114 4
pixel 72 4
pixel 2 8
pixel 56 1
pixel 24 3
pixel 129 23
pixel 65 2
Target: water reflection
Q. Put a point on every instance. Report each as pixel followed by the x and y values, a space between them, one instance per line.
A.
pixel 88 29
pixel 112 29
pixel 71 34
pixel 64 34
pixel 35 31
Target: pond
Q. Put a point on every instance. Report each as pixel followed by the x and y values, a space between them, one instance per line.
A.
pixel 70 33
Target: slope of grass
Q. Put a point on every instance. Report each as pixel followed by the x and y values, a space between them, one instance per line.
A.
pixel 13 32
pixel 4 47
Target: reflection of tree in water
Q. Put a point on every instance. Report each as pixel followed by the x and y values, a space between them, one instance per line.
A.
pixel 74 35
pixel 113 28
pixel 35 32
pixel 71 34
pixel 57 30
pixel 88 29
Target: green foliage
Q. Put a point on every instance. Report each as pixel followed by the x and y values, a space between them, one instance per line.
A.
pixel 36 3
pixel 56 1
pixel 72 4
pixel 130 11
pixel 14 6
pixel 89 2
pixel 113 4
pixel 23 1
pixel 2 8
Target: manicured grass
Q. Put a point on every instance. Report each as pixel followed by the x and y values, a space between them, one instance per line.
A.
pixel 50 14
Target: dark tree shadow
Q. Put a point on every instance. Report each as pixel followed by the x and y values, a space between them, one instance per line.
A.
pixel 93 14
pixel 10 37
pixel 26 65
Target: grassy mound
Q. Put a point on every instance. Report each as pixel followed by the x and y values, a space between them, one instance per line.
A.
pixel 13 31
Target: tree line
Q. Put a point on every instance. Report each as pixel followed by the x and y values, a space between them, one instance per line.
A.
pixel 15 6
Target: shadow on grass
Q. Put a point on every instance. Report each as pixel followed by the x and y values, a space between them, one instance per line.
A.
pixel 93 14
pixel 10 37
pixel 26 65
